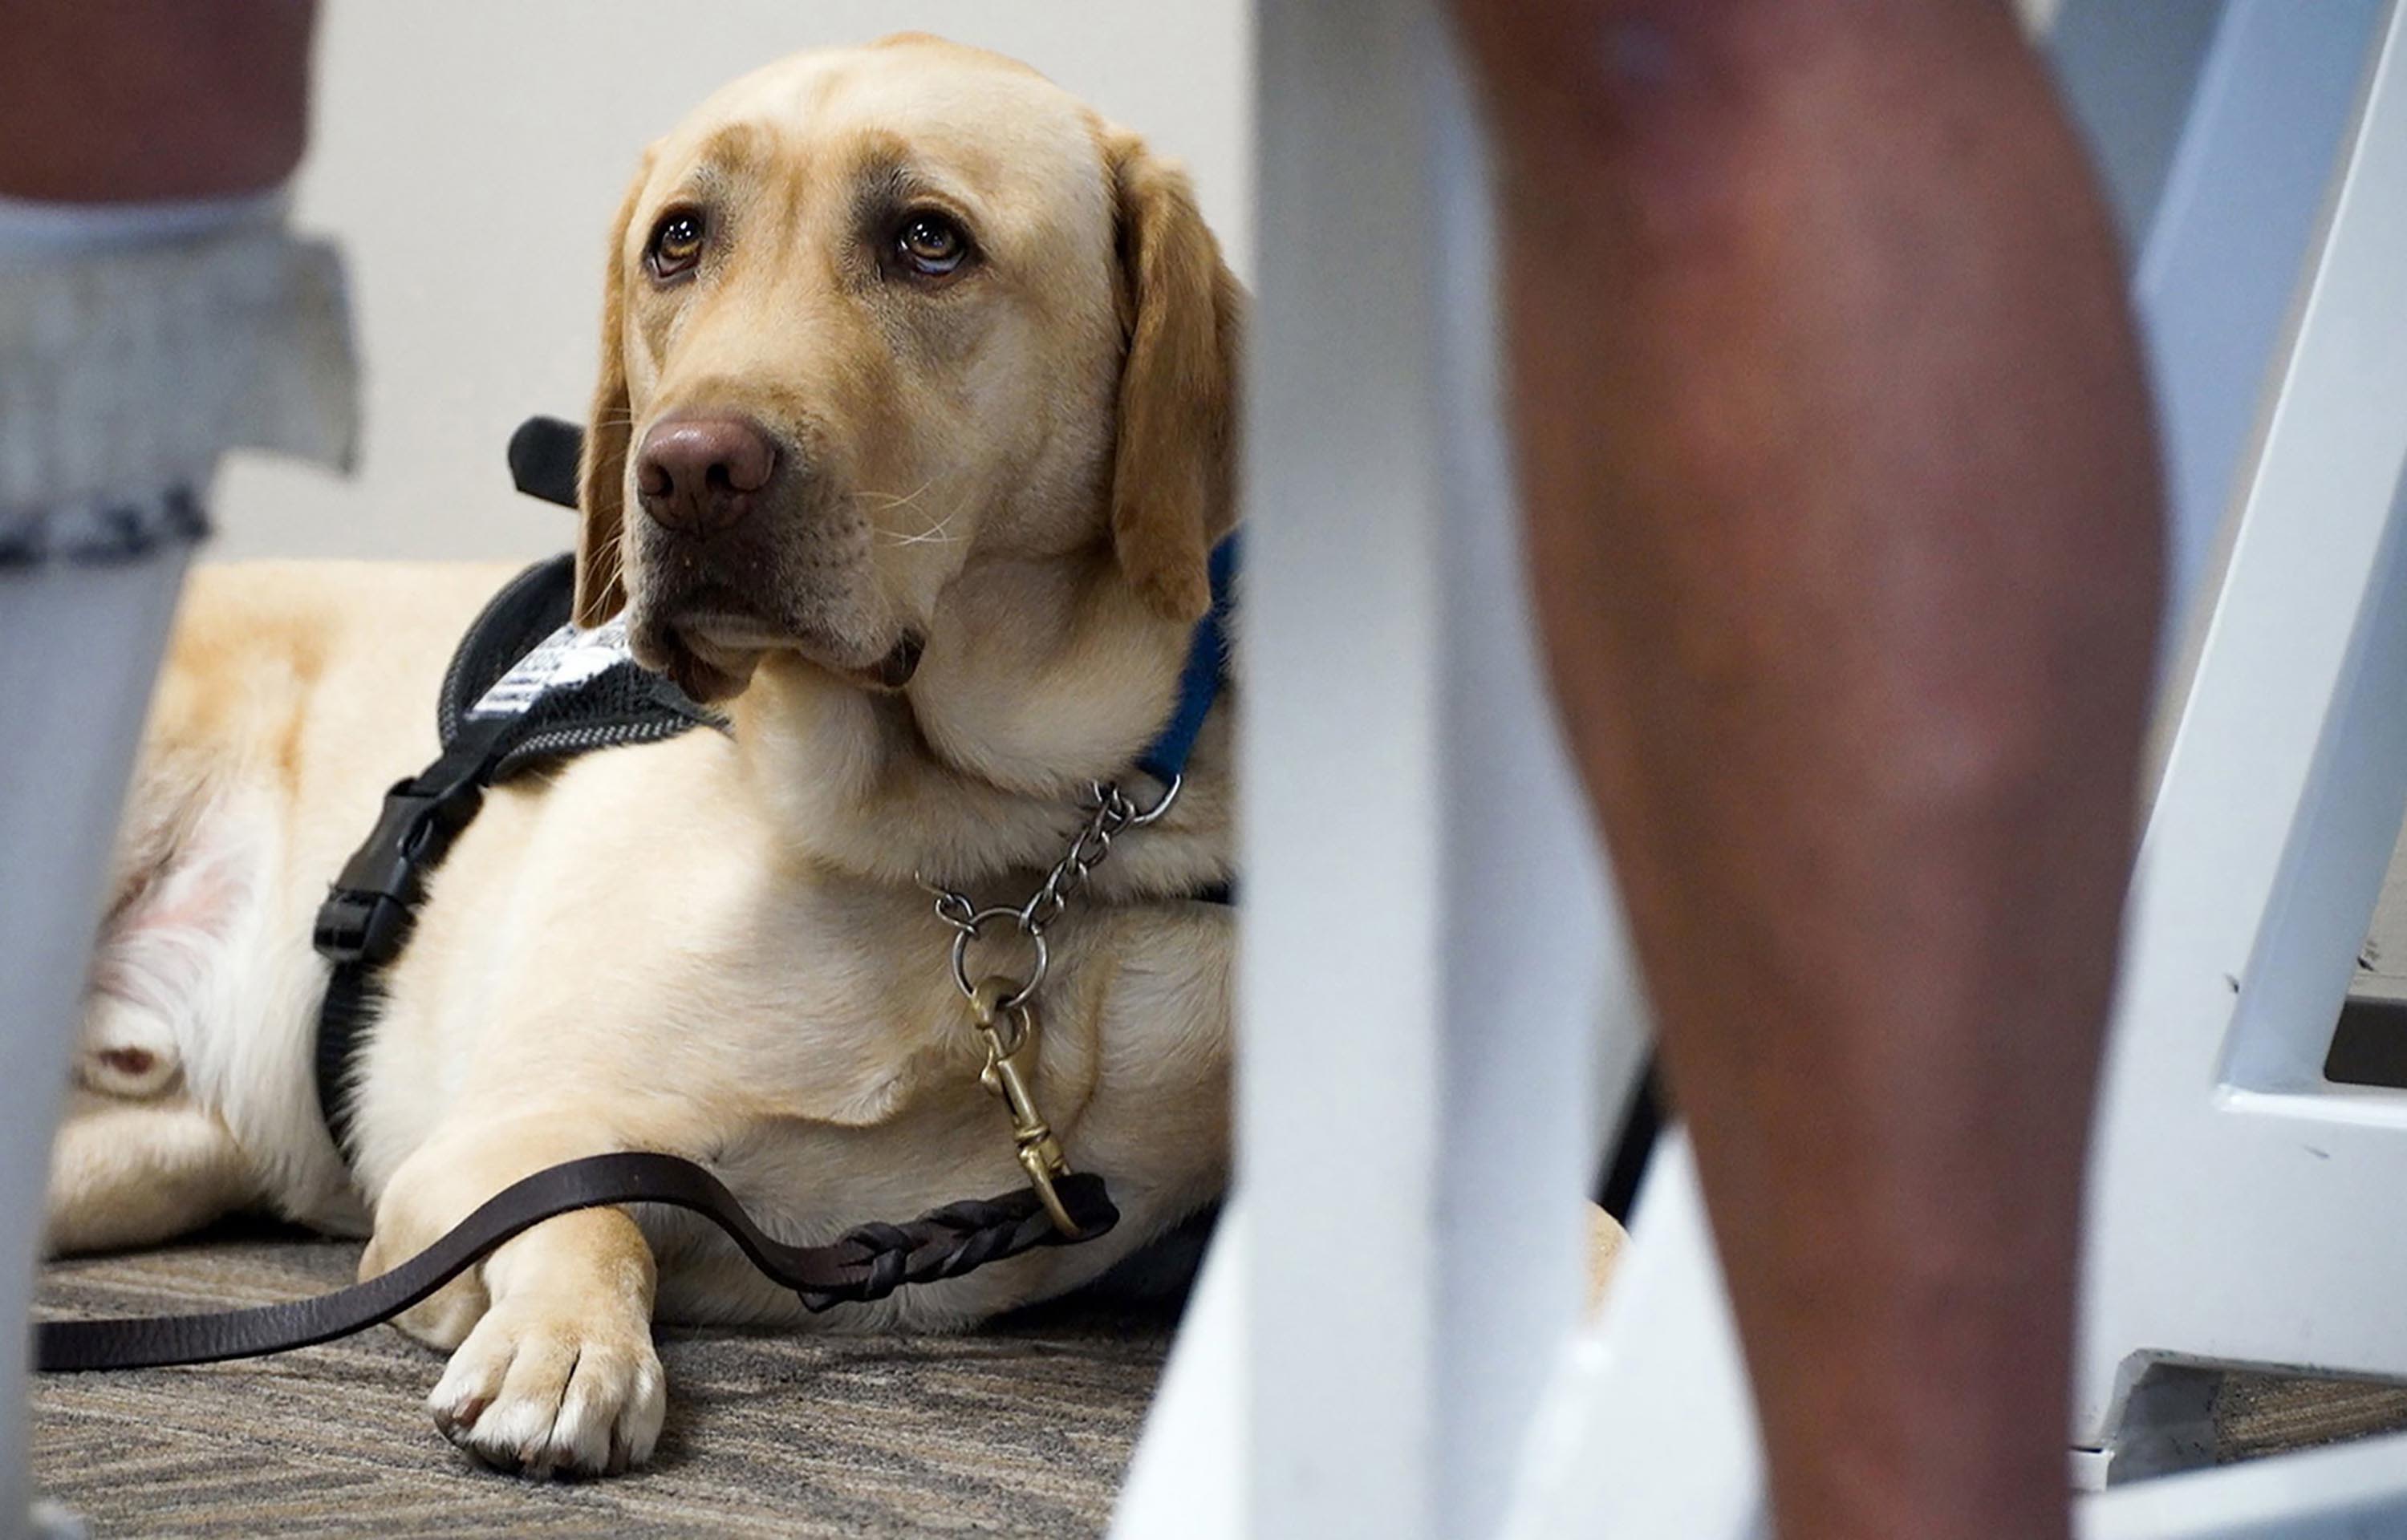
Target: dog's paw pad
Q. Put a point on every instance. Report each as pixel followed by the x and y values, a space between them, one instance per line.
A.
pixel 547 1397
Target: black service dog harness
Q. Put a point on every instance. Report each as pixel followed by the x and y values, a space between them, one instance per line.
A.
pixel 526 690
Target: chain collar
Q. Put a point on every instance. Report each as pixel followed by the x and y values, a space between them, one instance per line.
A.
pixel 1110 812
pixel 1001 1005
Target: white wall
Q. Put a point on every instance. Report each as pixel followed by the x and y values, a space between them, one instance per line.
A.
pixel 469 154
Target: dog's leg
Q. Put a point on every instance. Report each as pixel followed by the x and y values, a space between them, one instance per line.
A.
pixel 134 1173
pixel 139 1158
pixel 553 1371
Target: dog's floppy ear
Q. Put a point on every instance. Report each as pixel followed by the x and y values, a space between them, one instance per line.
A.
pixel 602 467
pixel 1173 472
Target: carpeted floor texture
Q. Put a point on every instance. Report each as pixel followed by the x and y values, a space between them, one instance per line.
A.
pixel 1022 1429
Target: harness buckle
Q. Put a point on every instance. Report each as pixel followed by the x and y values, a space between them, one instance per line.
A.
pixel 366 915
pixel 1010 1034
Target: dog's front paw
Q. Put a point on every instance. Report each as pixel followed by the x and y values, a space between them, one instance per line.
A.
pixel 546 1394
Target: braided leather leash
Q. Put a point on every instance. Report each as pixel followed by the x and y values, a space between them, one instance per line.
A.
pixel 865 1263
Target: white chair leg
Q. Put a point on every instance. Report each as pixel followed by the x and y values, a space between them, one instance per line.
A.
pixel 2236 1196
pixel 1647 1430
pixel 2219 274
pixel 1426 953
pixel 1372 1104
pixel 1188 1480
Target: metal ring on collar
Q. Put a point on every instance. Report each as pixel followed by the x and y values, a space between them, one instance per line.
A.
pixel 963 937
pixel 1138 817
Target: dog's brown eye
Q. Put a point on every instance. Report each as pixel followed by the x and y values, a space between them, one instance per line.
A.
pixel 677 244
pixel 931 244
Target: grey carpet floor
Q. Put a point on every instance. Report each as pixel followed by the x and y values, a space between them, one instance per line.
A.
pixel 1022 1429
pixel 2257 1414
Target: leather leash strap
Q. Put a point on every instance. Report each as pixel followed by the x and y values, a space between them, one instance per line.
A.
pixel 865 1263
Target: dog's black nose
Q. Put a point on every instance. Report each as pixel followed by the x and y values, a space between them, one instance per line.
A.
pixel 697 474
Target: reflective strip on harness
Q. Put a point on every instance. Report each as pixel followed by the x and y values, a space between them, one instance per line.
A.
pixel 562 660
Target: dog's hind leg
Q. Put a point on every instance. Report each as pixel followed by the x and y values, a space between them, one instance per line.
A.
pixel 141 1157
pixel 134 1173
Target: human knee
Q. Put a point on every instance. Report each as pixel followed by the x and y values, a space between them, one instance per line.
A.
pixel 1602 60
pixel 1581 71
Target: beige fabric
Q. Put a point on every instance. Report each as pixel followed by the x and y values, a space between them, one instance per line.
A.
pixel 1606 1241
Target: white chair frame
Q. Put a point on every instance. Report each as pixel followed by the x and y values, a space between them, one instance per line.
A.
pixel 2237 1196
pixel 1423 996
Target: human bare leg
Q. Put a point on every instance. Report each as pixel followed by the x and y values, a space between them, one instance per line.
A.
pixel 1845 520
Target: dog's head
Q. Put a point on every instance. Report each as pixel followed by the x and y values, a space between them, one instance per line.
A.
pixel 873 316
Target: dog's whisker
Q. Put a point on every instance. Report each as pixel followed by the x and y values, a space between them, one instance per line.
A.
pixel 612 553
pixel 934 534
pixel 888 501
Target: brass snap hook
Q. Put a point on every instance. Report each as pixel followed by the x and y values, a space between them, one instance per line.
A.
pixel 998 1005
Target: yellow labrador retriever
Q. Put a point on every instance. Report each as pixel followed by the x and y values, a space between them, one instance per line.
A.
pixel 913 436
